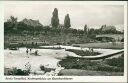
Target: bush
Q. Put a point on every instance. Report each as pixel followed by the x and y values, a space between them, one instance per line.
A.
pixel 81 63
pixel 118 62
pixel 108 68
pixel 15 71
pixel 46 69
pixel 83 53
pixel 76 63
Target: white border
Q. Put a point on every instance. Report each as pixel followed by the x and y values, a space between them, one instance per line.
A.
pixel 1 40
pixel 75 78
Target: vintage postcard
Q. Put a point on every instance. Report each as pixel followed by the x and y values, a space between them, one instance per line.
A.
pixel 63 41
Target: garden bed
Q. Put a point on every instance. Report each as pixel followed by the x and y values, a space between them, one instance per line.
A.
pixel 107 65
pixel 84 53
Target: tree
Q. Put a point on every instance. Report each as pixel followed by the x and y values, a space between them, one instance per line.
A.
pixel 85 29
pixel 102 28
pixel 67 21
pixel 13 22
pixel 91 33
pixel 12 19
pixel 55 19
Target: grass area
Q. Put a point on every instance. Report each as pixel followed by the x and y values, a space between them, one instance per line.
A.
pixel 79 72
pixel 56 48
pixel 108 65
pixel 106 45
pixel 84 53
pixel 118 62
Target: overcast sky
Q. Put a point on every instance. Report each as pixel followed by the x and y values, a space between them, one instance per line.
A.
pixel 80 14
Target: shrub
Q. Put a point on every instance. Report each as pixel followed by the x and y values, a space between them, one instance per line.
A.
pixel 15 71
pixel 108 68
pixel 46 69
pixel 76 63
pixel 81 63
pixel 42 67
pixel 118 62
pixel 83 53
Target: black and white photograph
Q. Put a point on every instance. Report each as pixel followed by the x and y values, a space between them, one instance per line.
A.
pixel 63 39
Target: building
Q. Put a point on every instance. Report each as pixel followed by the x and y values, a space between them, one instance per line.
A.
pixel 110 37
pixel 32 22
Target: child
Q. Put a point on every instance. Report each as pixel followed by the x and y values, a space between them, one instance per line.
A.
pixel 27 51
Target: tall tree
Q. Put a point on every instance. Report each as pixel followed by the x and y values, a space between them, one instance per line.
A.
pixel 55 19
pixel 67 21
pixel 85 29
pixel 91 33
pixel 103 27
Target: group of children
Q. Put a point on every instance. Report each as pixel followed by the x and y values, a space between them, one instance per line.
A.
pixel 29 50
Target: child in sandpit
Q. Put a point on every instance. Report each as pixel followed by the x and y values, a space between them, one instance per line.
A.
pixel 27 51
pixel 30 50
pixel 36 52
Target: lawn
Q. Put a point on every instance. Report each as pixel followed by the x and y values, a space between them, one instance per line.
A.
pixel 101 66
pixel 79 72
pixel 107 45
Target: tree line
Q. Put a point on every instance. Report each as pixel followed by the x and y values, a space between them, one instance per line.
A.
pixel 13 26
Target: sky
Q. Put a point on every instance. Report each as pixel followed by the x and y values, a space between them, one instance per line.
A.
pixel 80 14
